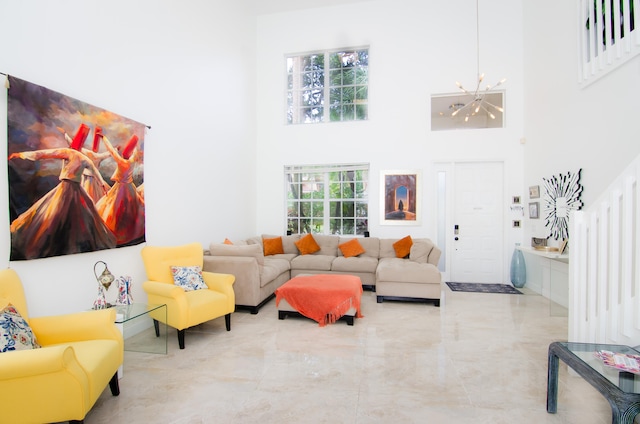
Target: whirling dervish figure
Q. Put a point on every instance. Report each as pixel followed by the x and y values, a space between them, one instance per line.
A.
pixel 65 220
pixel 122 208
pixel 93 186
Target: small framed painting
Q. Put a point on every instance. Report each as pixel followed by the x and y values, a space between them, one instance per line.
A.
pixel 399 198
pixel 534 210
pixel 534 192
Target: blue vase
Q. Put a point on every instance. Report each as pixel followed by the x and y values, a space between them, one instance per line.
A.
pixel 518 268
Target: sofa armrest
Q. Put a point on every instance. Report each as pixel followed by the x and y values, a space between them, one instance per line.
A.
pixel 89 325
pixel 246 271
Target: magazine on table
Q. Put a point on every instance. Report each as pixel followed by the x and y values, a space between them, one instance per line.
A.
pixel 621 361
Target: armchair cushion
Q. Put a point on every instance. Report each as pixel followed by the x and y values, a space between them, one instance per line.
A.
pixel 15 333
pixel 188 277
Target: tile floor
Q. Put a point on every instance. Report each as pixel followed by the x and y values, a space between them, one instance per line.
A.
pixel 479 358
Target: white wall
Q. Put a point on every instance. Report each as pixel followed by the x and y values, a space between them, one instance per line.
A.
pixel 185 71
pixel 568 127
pixel 417 48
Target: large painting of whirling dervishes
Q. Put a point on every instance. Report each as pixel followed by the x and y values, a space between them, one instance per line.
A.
pixel 75 175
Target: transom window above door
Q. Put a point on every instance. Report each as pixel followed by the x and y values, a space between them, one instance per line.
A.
pixel 328 86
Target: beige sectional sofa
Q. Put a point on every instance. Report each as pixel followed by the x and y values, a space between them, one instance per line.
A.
pixel 258 276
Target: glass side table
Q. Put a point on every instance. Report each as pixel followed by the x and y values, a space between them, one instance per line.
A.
pixel 620 388
pixel 137 326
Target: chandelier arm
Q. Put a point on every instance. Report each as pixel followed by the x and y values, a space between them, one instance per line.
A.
pixel 491 115
pixel 462 108
pixel 499 109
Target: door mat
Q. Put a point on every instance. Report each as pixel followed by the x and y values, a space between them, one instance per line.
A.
pixel 483 288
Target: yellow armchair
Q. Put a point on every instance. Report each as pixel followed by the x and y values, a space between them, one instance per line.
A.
pixel 62 380
pixel 186 308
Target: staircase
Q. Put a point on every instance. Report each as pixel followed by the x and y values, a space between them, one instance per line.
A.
pixel 604 265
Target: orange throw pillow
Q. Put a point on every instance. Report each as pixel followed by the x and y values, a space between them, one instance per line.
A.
pixel 403 247
pixel 351 248
pixel 227 241
pixel 272 246
pixel 307 245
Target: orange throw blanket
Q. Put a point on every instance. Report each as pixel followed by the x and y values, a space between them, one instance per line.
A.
pixel 324 298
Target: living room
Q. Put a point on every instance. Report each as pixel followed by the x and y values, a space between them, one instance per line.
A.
pixel 208 78
pixel 162 62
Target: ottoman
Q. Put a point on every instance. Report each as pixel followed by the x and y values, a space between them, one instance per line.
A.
pixel 325 298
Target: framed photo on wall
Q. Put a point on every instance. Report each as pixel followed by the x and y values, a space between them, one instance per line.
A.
pixel 534 210
pixel 400 197
pixel 534 192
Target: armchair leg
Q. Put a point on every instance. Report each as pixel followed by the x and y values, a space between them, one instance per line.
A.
pixel 181 338
pixel 76 421
pixel 114 385
pixel 227 321
pixel 156 326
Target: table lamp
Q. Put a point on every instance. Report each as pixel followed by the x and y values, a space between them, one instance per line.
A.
pixel 104 281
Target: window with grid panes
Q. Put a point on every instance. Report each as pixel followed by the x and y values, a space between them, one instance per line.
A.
pixel 327 199
pixel 328 86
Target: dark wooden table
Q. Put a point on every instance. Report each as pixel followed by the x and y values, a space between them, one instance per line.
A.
pixel 620 388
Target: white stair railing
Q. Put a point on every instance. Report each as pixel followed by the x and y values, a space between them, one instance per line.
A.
pixel 608 36
pixel 604 265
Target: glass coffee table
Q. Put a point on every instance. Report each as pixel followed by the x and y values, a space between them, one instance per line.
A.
pixel 620 388
pixel 140 332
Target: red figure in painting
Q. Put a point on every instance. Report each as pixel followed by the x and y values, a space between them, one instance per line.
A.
pixel 94 187
pixel 65 220
pixel 122 208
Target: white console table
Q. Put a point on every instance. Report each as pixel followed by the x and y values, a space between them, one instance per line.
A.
pixel 547 274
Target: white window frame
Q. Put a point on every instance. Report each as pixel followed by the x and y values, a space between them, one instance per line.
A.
pixel 360 199
pixel 294 87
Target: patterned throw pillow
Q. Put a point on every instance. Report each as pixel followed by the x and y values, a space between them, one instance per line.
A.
pixel 351 248
pixel 188 277
pixel 15 333
pixel 272 246
pixel 403 247
pixel 307 245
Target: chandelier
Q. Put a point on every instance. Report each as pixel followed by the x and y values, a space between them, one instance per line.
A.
pixel 478 99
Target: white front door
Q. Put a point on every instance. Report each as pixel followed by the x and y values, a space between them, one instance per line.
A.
pixel 474 237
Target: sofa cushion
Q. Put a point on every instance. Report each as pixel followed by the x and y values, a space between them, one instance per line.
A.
pixel 328 244
pixel 354 264
pixel 404 271
pixel 420 250
pixel 15 333
pixel 251 250
pixel 288 242
pixel 371 246
pixel 351 248
pixel 188 277
pixel 272 246
pixel 403 247
pixel 272 268
pixel 312 262
pixel 307 245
